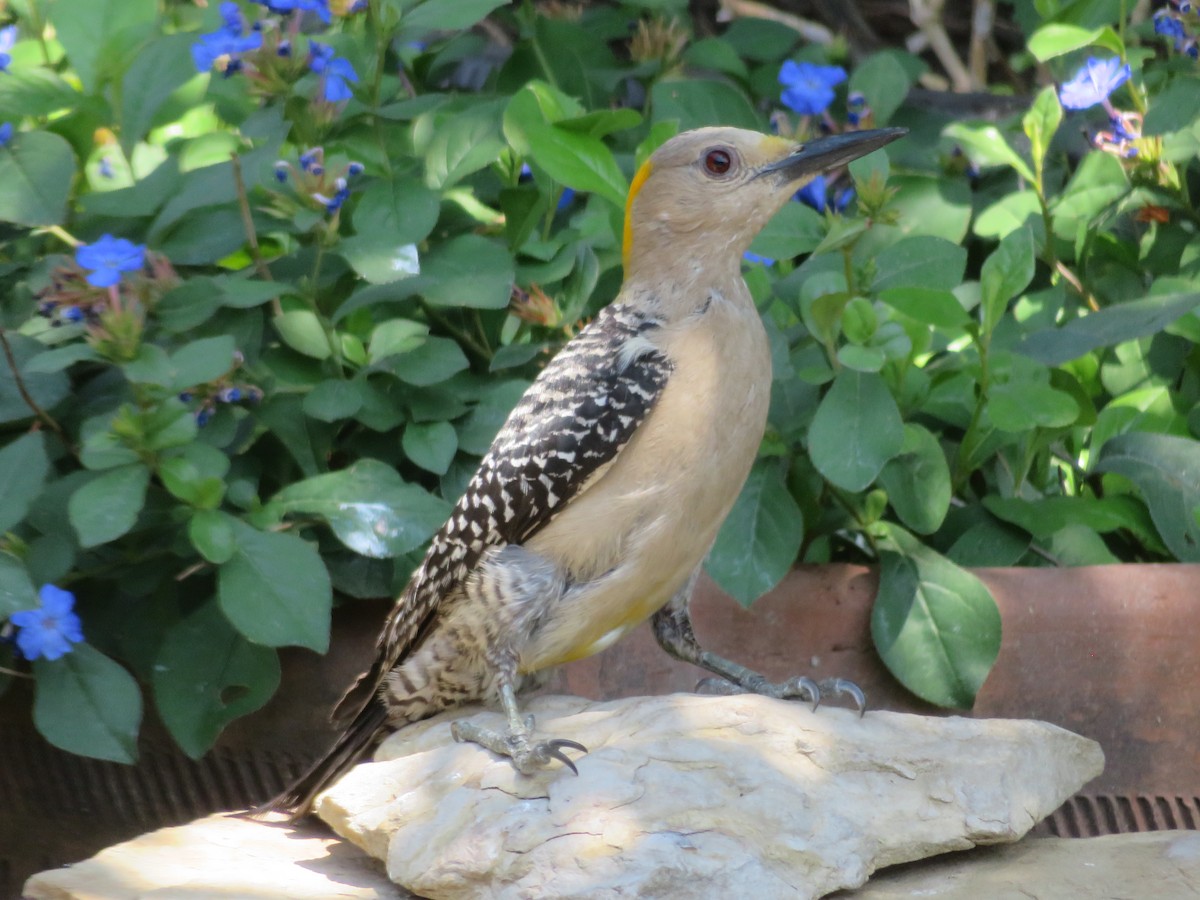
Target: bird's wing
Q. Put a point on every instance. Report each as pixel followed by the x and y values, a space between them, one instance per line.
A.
pixel 567 428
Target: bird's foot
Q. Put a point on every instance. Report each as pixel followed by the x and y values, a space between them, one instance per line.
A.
pixel 799 688
pixel 527 755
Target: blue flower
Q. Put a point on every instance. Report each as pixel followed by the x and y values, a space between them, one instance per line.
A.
pixel 337 72
pixel 223 48
pixel 565 199
pixel 231 15
pixel 1165 23
pixel 6 132
pixel 48 631
pixel 108 258
pixel 282 169
pixel 229 395
pixel 816 195
pixel 283 7
pixel 8 37
pixel 72 314
pixel 755 258
pixel 808 88
pixel 1094 83
pixel 105 167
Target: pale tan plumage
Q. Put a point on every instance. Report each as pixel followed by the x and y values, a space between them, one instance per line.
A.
pixel 605 489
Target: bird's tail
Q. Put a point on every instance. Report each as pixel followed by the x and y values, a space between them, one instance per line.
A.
pixel 297 798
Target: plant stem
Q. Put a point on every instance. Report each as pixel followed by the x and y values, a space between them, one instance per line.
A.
pixel 248 226
pixel 40 414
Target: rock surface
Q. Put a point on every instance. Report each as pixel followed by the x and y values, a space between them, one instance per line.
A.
pixel 1164 865
pixel 686 796
pixel 220 856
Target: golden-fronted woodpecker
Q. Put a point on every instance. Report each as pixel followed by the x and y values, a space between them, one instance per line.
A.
pixel 602 493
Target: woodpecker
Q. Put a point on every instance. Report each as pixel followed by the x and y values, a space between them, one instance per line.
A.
pixel 601 495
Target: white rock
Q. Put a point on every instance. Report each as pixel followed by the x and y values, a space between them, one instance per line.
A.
pixel 221 856
pixel 687 796
pixel 1164 865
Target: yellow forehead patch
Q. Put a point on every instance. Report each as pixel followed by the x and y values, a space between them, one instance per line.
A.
pixel 773 145
pixel 639 180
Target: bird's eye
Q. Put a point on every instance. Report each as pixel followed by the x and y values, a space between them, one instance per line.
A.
pixel 717 162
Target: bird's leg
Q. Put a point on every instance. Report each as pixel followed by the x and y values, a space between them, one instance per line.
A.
pixel 516 741
pixel 673 628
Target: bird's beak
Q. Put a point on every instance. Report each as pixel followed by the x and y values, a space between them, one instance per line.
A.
pixel 829 153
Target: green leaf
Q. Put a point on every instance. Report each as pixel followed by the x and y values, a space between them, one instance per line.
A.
pixel 1020 406
pixel 1099 181
pixel 577 160
pixel 920 261
pixel 697 102
pixel 370 508
pixel 16 590
pixel 759 539
pixel 793 231
pixel 212 533
pixel 986 146
pixel 61 358
pixel 460 143
pixel 33 93
pixel 1005 274
pixel 389 217
pixel 1107 327
pixel 917 481
pixel 186 482
pixel 332 400
pixel 24 466
pixel 301 330
pixel 380 260
pixel 1046 516
pixel 446 15
pixel 431 445
pixel 468 270
pixel 935 625
pixel 431 363
pixel 884 82
pixel 1175 108
pixel 88 705
pixel 207 675
pixel 36 169
pixel 1166 470
pixel 1060 38
pixel 856 430
pixel 929 306
pixel 202 361
pixel 107 506
pixel 101 37
pixel 1010 212
pixel 396 336
pixel 159 68
pixel 1041 122
pixel 275 590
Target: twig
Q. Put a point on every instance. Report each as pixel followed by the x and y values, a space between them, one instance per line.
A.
pixel 248 226
pixel 982 19
pixel 42 416
pixel 811 31
pixel 14 673
pixel 1073 280
pixel 927 16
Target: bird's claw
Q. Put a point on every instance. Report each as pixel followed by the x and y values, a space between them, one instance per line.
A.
pixel 527 757
pixel 800 687
pixel 553 749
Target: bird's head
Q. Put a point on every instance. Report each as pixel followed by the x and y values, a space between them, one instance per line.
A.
pixel 712 190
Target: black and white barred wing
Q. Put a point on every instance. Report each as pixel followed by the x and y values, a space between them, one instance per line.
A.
pixel 565 430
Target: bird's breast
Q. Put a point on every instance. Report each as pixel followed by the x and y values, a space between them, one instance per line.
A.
pixel 632 539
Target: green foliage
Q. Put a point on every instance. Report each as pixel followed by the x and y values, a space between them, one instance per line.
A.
pixel 986 358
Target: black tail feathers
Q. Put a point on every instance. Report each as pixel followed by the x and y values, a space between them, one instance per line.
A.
pixel 297 798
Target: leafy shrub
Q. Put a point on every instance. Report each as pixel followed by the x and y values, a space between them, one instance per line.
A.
pixel 273 274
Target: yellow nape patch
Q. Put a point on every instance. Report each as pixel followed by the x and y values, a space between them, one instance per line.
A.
pixel 639 180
